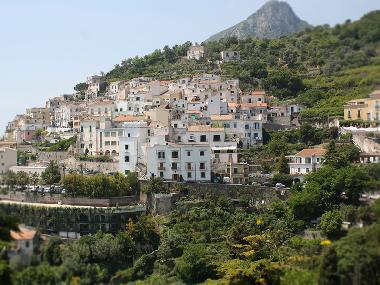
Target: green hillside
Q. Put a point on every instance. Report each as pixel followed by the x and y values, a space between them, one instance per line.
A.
pixel 321 67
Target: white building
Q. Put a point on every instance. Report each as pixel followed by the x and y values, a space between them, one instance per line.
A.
pixel 8 158
pixel 94 84
pixel 88 135
pixel 23 245
pixel 195 52
pixel 132 147
pixel 307 160
pixel 248 132
pixel 64 114
pixel 230 56
pixel 216 105
pixel 180 162
pixel 30 169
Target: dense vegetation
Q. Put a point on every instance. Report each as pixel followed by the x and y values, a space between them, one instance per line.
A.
pixel 219 241
pixel 100 185
pixel 61 145
pixel 322 67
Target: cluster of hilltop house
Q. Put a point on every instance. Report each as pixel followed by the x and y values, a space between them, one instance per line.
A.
pixel 180 130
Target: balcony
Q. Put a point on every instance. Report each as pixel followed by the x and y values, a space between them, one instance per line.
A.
pixel 160 167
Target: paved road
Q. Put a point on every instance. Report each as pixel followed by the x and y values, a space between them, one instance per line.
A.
pixel 47 205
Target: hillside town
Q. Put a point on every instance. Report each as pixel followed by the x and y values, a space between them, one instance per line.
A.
pixel 189 129
pixel 252 157
pixel 186 130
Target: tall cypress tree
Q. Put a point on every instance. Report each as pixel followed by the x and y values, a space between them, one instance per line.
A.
pixel 328 272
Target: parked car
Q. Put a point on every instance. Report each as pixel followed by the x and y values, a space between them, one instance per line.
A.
pixel 280 185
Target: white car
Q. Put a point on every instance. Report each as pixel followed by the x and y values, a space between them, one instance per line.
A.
pixel 280 185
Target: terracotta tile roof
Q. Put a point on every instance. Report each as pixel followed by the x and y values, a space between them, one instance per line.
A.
pixel 23 234
pixel 222 117
pixel 258 93
pixel 193 112
pixel 232 105
pixel 311 152
pixel 128 118
pixel 204 128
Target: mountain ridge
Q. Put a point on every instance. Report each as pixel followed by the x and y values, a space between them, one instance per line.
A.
pixel 273 20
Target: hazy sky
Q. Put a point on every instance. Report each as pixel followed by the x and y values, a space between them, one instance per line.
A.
pixel 47 46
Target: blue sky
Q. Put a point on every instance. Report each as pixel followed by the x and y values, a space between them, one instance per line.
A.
pixel 47 46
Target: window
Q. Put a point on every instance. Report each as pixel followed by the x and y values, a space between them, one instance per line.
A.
pixel 126 158
pixel 107 142
pixel 129 135
pixel 174 154
pixel 189 175
pixel 126 147
pixel 203 174
pixel 216 138
pixel 203 138
pixel 188 153
pixel 174 166
pixel 246 126
pixel 27 244
pixel 113 143
pixel 161 154
pixel 202 153
pixel 202 166
pixel 235 170
pixel 126 172
pixel 188 167
pixel 161 174
pixel 307 170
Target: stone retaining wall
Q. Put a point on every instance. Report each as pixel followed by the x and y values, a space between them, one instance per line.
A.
pixel 56 198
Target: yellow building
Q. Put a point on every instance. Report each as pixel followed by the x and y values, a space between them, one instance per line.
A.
pixel 367 109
